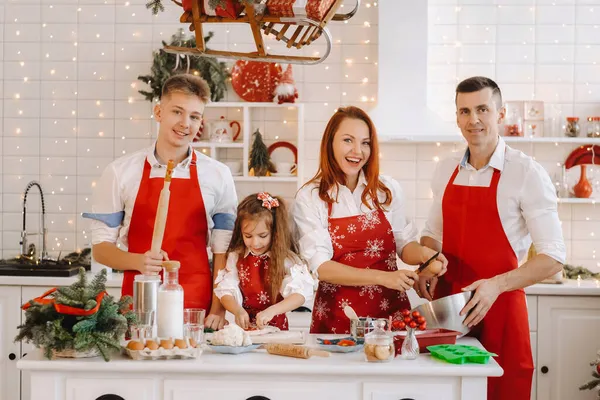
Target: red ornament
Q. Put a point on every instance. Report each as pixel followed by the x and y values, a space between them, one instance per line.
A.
pixel 598 369
pixel 255 81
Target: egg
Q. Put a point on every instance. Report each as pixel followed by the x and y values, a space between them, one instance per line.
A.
pixel 151 344
pixel 181 343
pixel 193 343
pixel 135 345
pixel 166 344
pixel 432 269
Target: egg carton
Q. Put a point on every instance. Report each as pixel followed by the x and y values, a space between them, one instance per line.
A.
pixel 161 353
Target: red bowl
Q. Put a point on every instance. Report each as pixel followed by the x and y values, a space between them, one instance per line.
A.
pixel 426 338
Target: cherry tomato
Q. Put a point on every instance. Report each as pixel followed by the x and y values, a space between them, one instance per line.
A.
pixel 406 313
pixel 407 320
pixel 416 314
pixel 412 324
pixel 420 320
pixel 422 327
pixel 401 325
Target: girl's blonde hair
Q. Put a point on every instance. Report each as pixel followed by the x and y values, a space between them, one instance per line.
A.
pixel 282 243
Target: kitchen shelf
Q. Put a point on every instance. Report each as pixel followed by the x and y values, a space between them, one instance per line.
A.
pixel 575 200
pixel 265 179
pixel 244 142
pixel 460 140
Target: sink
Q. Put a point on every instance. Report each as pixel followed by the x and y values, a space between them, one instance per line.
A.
pixel 65 267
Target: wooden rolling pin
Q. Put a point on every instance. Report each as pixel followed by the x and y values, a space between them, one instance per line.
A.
pixel 161 211
pixel 290 350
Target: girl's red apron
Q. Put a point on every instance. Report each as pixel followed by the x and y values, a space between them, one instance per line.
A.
pixel 476 247
pixel 185 233
pixel 253 272
pixel 360 241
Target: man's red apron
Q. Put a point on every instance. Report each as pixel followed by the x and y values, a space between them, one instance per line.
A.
pixel 476 247
pixel 185 233
pixel 253 272
pixel 360 241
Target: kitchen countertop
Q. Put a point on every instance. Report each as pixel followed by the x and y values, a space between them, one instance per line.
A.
pixel 260 362
pixel 114 280
pixel 569 287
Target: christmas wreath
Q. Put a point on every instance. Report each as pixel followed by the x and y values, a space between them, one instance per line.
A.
pixel 80 317
pixel 166 65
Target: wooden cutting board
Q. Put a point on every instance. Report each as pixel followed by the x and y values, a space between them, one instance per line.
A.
pixel 288 337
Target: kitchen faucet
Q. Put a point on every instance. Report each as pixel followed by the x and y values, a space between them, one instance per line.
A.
pixel 26 252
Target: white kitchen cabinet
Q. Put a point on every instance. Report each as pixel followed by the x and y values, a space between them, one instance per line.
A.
pixel 414 388
pixel 10 352
pixel 95 389
pixel 278 390
pixel 567 340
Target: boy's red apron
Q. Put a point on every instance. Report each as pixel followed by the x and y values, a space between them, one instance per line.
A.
pixel 253 272
pixel 476 247
pixel 185 233
pixel 360 241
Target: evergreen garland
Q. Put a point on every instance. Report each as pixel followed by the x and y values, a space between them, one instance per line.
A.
pixel 157 5
pixel 165 65
pixel 260 163
pixel 52 331
pixel 594 384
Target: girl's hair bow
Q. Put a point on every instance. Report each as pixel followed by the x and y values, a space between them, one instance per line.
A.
pixel 268 201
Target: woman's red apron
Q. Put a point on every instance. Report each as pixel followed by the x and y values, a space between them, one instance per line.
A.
pixel 253 272
pixel 476 247
pixel 185 233
pixel 360 241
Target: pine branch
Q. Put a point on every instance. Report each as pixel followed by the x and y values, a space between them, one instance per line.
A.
pixel 164 66
pixel 590 385
pixel 156 6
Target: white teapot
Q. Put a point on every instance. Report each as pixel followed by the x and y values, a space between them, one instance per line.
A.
pixel 221 131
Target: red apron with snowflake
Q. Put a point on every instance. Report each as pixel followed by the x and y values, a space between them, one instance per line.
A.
pixel 477 248
pixel 253 272
pixel 185 233
pixel 360 241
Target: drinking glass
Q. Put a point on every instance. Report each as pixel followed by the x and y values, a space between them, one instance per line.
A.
pixel 143 328
pixel 193 323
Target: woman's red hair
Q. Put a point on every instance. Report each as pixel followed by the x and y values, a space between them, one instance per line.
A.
pixel 331 175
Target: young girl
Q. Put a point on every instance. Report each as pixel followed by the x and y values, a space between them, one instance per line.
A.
pixel 263 278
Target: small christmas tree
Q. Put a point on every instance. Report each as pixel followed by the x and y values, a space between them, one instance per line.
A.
pixel 67 321
pixel 260 163
pixel 594 384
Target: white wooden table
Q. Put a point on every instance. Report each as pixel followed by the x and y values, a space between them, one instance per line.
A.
pixel 256 374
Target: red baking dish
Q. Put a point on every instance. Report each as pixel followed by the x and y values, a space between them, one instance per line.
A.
pixel 429 337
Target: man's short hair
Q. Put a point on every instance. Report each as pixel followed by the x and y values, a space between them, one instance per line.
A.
pixel 187 84
pixel 477 83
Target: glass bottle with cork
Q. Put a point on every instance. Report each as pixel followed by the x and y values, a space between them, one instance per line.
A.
pixel 170 302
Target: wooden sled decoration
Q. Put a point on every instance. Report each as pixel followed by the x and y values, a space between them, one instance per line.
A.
pixel 296 32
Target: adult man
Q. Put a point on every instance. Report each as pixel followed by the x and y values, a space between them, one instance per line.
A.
pixel 202 198
pixel 488 206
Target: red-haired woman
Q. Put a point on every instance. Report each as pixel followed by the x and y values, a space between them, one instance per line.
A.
pixel 352 224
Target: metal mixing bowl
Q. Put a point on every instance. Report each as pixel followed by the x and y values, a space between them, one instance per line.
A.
pixel 443 313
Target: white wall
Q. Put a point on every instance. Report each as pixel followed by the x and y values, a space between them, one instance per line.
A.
pixel 39 150
pixel 69 101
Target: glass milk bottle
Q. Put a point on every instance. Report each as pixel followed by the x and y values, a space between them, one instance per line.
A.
pixel 170 303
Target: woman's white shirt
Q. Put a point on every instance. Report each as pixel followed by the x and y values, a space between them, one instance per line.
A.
pixel 311 217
